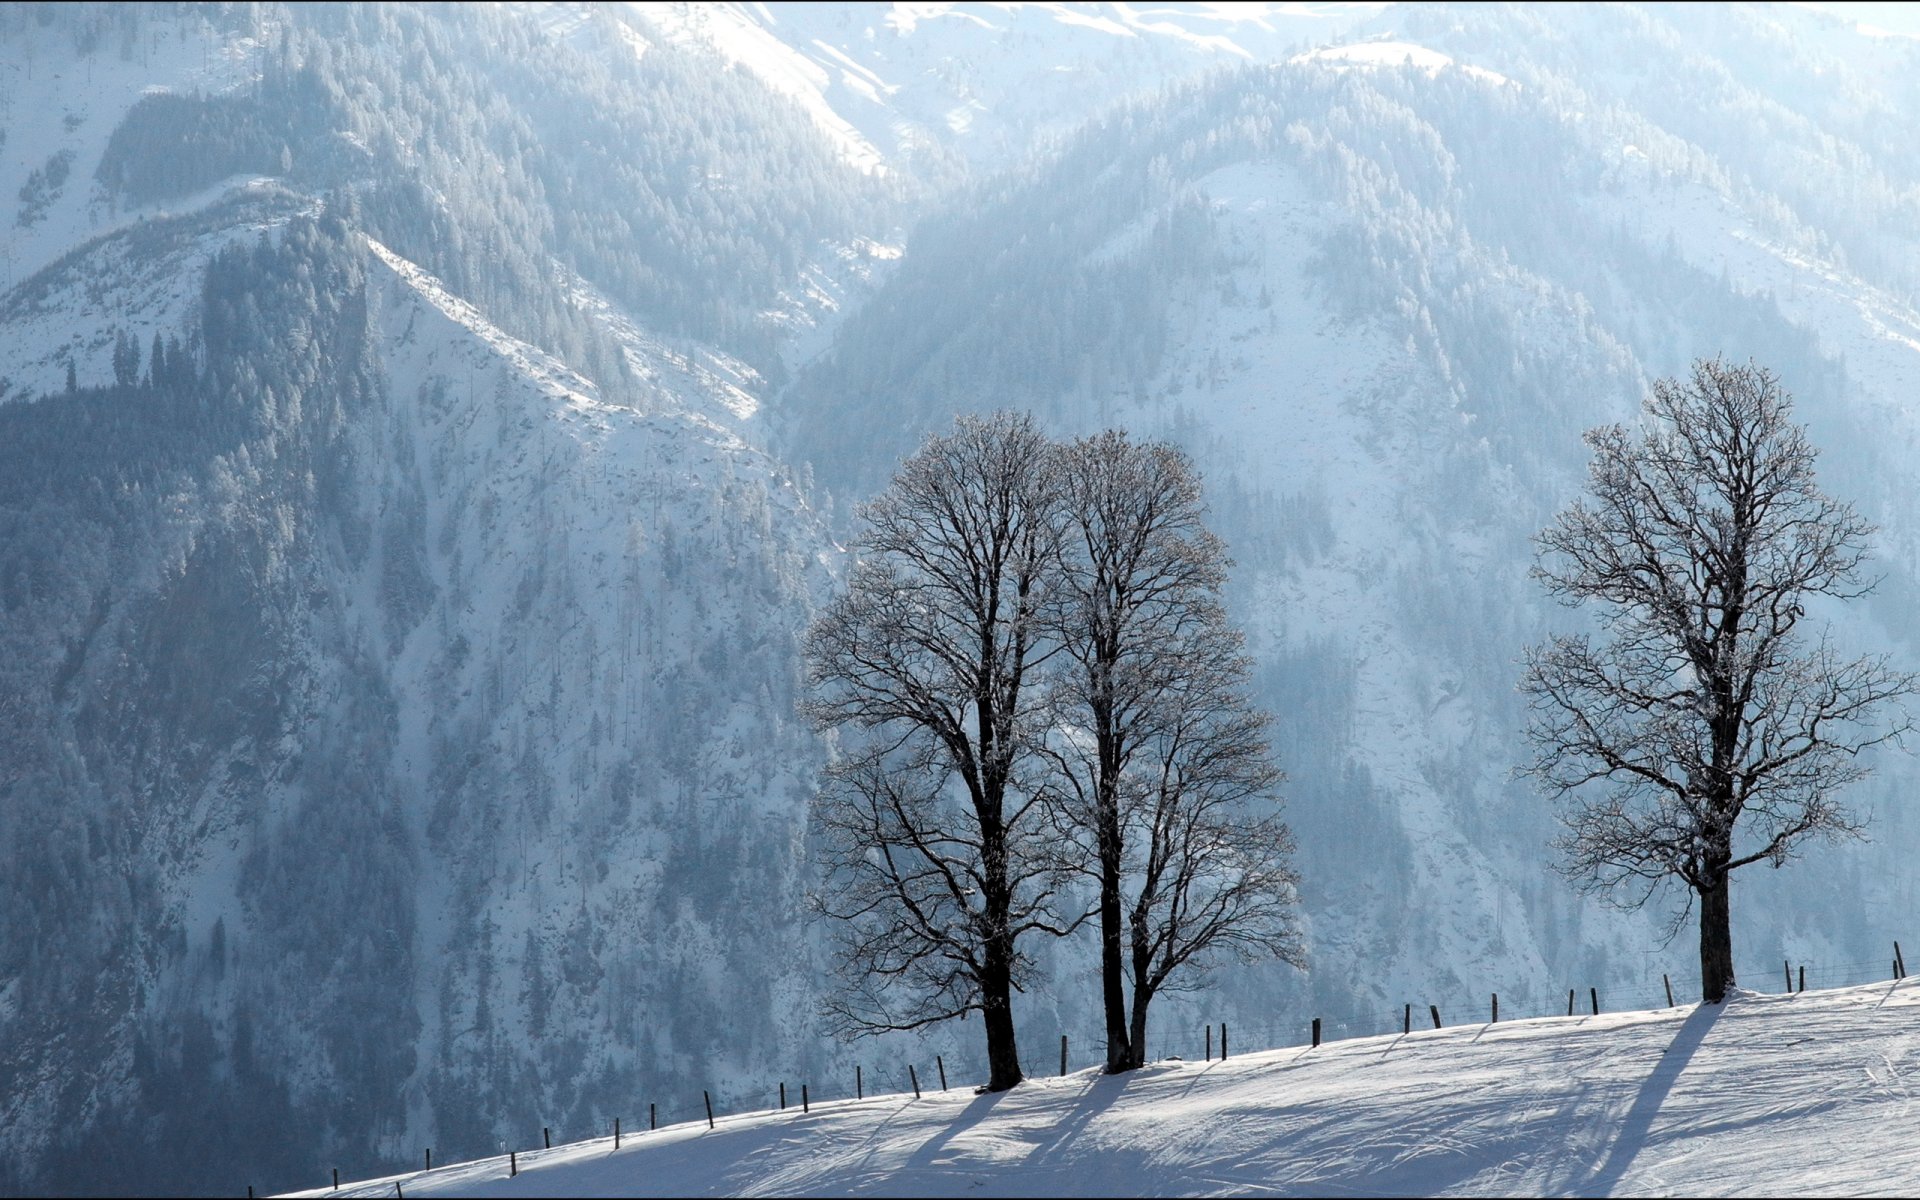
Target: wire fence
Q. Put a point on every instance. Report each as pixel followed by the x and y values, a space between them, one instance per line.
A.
pixel 872 1081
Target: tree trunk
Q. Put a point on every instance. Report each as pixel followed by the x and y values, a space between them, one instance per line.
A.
pixel 996 1002
pixel 1137 1045
pixel 1112 963
pixel 1716 942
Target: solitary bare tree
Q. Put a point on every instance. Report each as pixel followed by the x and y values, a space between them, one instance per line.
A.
pixel 1703 733
pixel 938 859
pixel 1156 756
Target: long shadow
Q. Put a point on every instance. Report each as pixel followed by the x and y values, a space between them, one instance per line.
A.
pixel 1098 1098
pixel 970 1116
pixel 1653 1093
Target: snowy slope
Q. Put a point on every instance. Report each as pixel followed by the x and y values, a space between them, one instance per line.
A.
pixel 57 105
pixel 1804 1094
pixel 887 81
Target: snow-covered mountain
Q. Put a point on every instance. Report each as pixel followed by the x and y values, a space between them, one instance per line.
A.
pixel 397 670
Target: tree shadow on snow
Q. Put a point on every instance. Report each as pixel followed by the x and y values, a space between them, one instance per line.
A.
pixel 975 1112
pixel 1638 1122
pixel 1100 1095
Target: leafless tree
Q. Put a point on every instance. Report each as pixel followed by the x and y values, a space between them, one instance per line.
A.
pixel 938 858
pixel 1703 733
pixel 1158 760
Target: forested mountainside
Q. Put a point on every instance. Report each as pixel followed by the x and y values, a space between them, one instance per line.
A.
pixel 426 431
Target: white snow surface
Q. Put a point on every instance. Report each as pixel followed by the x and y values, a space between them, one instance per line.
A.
pixel 1395 54
pixel 1763 1095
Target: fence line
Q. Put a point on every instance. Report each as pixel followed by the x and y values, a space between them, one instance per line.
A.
pixel 1247 1037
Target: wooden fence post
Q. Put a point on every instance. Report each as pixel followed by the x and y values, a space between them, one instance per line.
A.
pixel 1406 1020
pixel 429 1158
pixel 1788 968
pixel 513 1163
pixel 1569 1001
pixel 803 1099
pixel 1316 1031
pixel 1223 1041
pixel 704 1095
pixel 1899 963
pixel 1669 983
pixel 1063 1054
pixel 913 1078
pixel 942 1068
pixel 1435 1010
pixel 652 1117
pixel 616 1133
pixel 859 1085
pixel 336 1179
pixel 546 1135
pixel 783 1095
pixel 1209 1043
pixel 1594 994
pixel 1496 1008
pixel 1803 977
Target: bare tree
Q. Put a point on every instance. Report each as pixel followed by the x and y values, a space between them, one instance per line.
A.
pixel 938 859
pixel 1702 734
pixel 1209 863
pixel 1157 756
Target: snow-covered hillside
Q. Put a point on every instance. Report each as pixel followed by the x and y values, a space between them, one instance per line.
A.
pixel 985 81
pixel 1766 1095
pixel 398 742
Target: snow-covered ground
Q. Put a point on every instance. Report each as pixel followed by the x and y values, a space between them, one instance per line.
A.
pixel 1765 1095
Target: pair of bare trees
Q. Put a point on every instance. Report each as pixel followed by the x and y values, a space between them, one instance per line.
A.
pixel 1038 687
pixel 1702 732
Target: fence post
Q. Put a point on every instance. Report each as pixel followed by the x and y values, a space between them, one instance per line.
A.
pixel 1569 1001
pixel 397 1193
pixel 942 1068
pixel 859 1085
pixel 1406 1020
pixel 652 1117
pixel 546 1135
pixel 513 1163
pixel 1899 963
pixel 429 1158
pixel 1594 994
pixel 1063 1054
pixel 783 1095
pixel 913 1077
pixel 1209 1043
pixel 1669 983
pixel 708 1097
pixel 1223 1041
pixel 1316 1031
pixel 1803 977
pixel 803 1099
pixel 616 1133
pixel 1788 968
pixel 336 1179
pixel 1496 1008
pixel 1435 1010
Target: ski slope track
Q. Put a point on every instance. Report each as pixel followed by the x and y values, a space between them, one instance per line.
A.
pixel 1805 1093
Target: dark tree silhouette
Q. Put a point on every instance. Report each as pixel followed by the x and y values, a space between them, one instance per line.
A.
pixel 1156 754
pixel 1703 733
pixel 938 857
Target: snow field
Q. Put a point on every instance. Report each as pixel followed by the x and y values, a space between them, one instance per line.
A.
pixel 1810 1093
